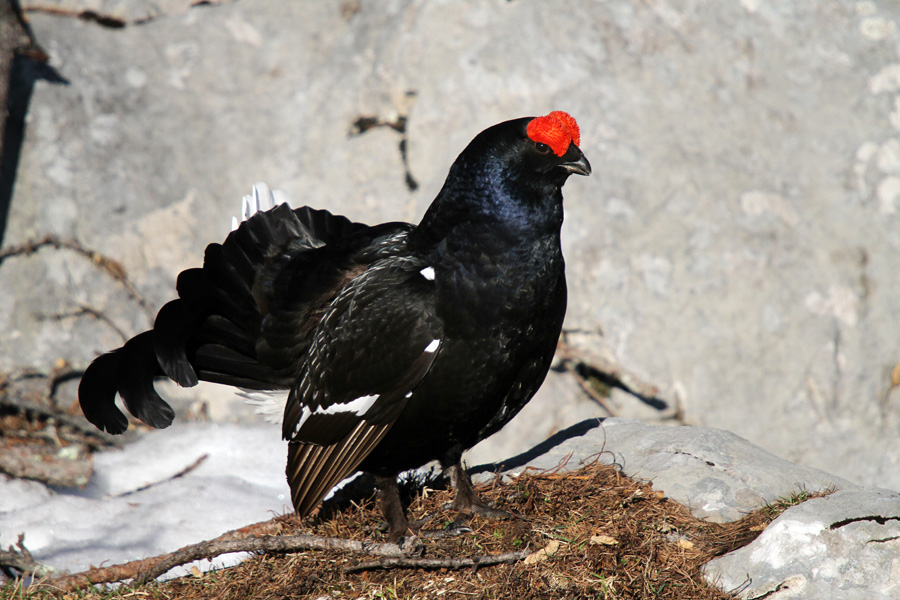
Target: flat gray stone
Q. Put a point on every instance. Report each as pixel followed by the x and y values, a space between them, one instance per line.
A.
pixel 715 473
pixel 845 546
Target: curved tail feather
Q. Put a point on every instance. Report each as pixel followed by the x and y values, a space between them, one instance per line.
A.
pixel 137 370
pixel 130 371
pixel 97 394
pixel 171 353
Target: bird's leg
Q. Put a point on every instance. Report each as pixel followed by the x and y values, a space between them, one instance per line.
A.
pixel 466 500
pixel 391 508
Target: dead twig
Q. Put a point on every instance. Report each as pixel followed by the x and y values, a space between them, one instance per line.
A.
pixel 85 15
pixel 438 563
pixel 286 543
pixel 79 424
pixel 586 367
pixel 81 311
pixel 180 473
pixel 19 559
pixel 113 267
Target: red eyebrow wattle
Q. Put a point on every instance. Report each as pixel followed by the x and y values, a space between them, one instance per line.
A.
pixel 557 130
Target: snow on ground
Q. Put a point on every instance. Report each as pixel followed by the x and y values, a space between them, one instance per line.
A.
pixel 133 508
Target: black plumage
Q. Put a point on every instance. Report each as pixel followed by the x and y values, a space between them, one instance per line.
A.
pixel 396 344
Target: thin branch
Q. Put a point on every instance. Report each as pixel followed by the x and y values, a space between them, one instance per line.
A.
pixel 272 543
pixel 438 563
pixel 180 473
pixel 84 310
pixel 107 18
pixel 113 267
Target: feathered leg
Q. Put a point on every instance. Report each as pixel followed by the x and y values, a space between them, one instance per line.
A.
pixel 392 508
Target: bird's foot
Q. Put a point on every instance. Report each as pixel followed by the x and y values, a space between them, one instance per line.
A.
pixel 397 525
pixel 460 525
pixel 419 523
pixel 467 502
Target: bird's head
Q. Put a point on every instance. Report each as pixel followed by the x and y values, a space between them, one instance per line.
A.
pixel 512 172
pixel 555 139
pixel 533 154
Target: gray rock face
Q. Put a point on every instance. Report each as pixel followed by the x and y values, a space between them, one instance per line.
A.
pixel 715 473
pixel 842 546
pixel 737 246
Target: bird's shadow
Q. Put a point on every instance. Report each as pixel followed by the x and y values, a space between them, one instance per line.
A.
pixel 525 458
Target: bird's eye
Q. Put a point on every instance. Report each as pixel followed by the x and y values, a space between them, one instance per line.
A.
pixel 542 148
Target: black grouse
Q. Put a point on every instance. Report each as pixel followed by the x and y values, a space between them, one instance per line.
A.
pixel 394 344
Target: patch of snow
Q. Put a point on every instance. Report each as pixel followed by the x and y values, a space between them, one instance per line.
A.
pixel 133 508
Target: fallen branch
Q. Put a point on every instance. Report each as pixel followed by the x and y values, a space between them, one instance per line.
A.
pixel 131 570
pixel 142 571
pixel 270 543
pixel 438 563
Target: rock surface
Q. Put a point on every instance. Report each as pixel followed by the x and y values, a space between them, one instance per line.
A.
pixel 842 546
pixel 715 473
pixel 737 247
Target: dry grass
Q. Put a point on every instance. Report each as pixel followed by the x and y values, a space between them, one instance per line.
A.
pixel 615 538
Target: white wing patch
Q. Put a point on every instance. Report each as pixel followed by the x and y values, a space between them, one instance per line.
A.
pixel 359 406
pixel 432 347
pixel 341 484
pixel 260 198
pixel 268 403
pixel 427 273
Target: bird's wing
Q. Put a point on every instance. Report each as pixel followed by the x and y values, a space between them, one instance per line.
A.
pixel 373 345
pixel 246 317
pixel 239 320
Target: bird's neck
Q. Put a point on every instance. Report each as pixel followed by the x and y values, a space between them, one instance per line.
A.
pixel 491 214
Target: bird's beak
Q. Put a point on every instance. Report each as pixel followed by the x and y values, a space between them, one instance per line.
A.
pixel 574 161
